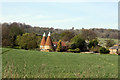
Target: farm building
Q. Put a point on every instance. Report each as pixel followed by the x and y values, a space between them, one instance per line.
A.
pixel 42 45
pixel 63 44
pixel 48 45
pixel 115 49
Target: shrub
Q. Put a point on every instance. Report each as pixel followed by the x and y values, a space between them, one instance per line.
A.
pixel 77 50
pixel 95 49
pixel 103 50
pixel 37 49
pixel 118 52
pixel 73 46
pixel 93 43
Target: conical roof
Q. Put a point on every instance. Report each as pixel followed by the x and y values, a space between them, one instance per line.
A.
pixel 43 40
pixel 49 41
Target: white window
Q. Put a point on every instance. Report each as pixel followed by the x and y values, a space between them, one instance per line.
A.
pixel 54 45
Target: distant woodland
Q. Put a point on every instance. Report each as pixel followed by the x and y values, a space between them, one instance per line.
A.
pixel 100 32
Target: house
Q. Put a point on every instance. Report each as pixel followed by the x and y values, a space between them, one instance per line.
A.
pixel 115 49
pixel 47 45
pixel 63 44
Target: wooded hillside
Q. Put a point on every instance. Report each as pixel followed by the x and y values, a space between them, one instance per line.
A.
pixel 102 33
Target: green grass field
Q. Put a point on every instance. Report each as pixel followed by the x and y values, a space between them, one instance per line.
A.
pixel 19 63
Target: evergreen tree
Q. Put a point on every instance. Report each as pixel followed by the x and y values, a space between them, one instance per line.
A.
pixel 59 46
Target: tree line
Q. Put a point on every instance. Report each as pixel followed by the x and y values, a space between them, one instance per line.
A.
pixel 17 35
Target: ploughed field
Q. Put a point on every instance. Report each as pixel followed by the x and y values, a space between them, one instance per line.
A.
pixel 17 63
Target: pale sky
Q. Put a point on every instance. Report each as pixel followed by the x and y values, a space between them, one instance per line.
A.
pixel 63 15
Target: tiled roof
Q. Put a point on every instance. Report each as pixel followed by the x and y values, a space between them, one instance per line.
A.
pixel 49 41
pixel 63 43
pixel 55 43
pixel 43 41
pixel 115 47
